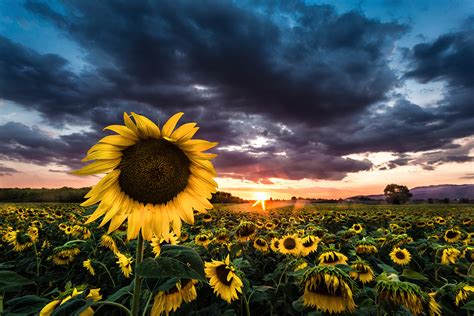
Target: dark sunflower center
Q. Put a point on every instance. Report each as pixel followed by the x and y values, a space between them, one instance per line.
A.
pixel 153 171
pixel 260 242
pixel 356 227
pixel 308 243
pixel 276 243
pixel 451 234
pixel 400 255
pixel 289 243
pixel 222 272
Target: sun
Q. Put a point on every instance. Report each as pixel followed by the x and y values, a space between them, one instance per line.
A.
pixel 261 197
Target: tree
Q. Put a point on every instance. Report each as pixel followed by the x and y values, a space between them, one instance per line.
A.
pixel 293 198
pixel 397 194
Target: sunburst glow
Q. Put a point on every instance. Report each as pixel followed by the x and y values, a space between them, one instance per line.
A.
pixel 261 197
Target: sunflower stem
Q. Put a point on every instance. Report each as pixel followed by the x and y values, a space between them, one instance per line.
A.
pixel 118 305
pixel 137 280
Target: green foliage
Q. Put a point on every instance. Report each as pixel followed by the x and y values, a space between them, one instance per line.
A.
pixel 397 194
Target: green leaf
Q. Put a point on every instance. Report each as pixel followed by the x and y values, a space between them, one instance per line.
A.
pixel 469 306
pixel 387 268
pixel 120 293
pixel 27 304
pixel 7 265
pixel 174 261
pixel 298 305
pixel 72 306
pixel 12 281
pixel 410 274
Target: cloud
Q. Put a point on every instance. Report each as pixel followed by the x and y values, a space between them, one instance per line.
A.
pixel 286 88
pixel 19 142
pixel 7 171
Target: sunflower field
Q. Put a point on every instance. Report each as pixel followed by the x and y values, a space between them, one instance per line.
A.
pixel 317 260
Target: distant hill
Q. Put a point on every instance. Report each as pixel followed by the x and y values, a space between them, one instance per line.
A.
pixel 450 191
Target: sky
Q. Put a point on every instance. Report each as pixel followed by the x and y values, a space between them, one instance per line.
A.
pixel 307 98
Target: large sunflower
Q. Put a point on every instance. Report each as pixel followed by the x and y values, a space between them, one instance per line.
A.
pixel 223 279
pixel 328 289
pixel 400 256
pixel 390 290
pixel 154 177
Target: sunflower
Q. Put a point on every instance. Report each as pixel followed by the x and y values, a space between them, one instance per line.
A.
pixel 260 244
pixel 463 292
pixel 88 265
pixel 365 247
pixel 440 221
pixel 171 300
pixel 94 294
pixel 275 244
pixel 125 264
pixel 328 289
pixel 245 231
pixel 223 279
pixel 107 241
pixel 331 258
pixel 357 228
pixel 202 239
pixel 362 272
pixel 391 290
pixel 33 232
pixel 19 241
pixel 221 236
pixel 400 256
pixel 64 256
pixel 309 245
pixel 270 225
pixel 452 235
pixel 154 178
pixel 449 255
pixel 156 243
pixel 207 218
pixel 290 245
pixel 434 309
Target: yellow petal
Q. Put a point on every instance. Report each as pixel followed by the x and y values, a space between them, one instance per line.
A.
pixel 169 126
pixel 196 145
pixel 115 209
pixel 182 133
pixel 135 222
pixel 204 164
pixel 129 123
pixel 146 126
pixel 116 221
pixel 102 155
pixel 117 140
pixel 123 131
pixel 104 183
pixel 100 166
pixel 165 221
pixel 108 199
pixel 147 226
pixel 104 147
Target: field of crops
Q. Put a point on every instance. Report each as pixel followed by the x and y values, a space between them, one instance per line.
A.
pixel 362 260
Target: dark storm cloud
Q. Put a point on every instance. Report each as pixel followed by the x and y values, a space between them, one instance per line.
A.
pixel 7 171
pixel 317 62
pixel 22 143
pixel 449 59
pixel 308 79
